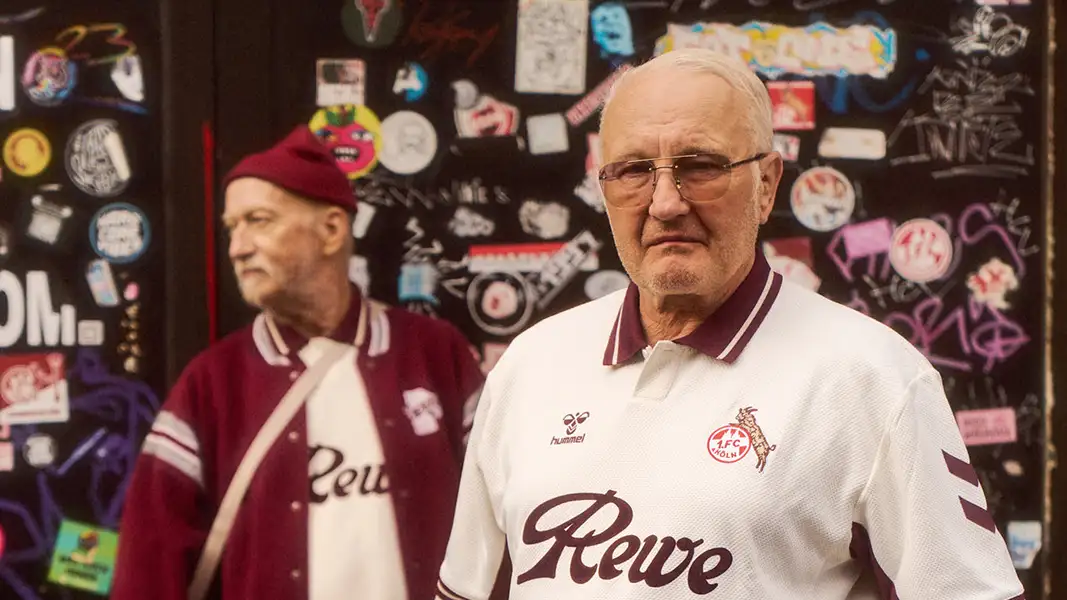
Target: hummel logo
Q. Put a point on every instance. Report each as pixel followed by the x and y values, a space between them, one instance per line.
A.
pixel 572 422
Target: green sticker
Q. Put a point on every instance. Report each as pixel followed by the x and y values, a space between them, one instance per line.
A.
pixel 84 557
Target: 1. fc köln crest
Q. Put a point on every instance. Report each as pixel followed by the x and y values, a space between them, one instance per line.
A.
pixel 730 443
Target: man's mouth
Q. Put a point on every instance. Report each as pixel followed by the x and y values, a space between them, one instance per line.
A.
pixel 346 153
pixel 674 239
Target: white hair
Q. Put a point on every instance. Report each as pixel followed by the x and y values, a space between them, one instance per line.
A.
pixel 736 74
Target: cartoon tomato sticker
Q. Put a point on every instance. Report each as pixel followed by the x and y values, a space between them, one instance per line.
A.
pixel 353 134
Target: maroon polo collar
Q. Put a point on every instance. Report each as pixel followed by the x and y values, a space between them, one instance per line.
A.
pixel 345 331
pixel 722 336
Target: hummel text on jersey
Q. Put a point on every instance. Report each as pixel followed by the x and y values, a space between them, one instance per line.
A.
pixel 702 568
pixel 572 421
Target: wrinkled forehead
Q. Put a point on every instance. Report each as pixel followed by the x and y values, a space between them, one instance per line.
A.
pixel 669 112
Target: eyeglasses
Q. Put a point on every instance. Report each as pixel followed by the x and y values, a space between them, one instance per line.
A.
pixel 698 177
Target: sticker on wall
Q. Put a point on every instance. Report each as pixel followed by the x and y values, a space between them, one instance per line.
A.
pixel 39 451
pixel 793 105
pixel 409 142
pixel 96 159
pixel 481 115
pixel 602 283
pixel 562 267
pixel 90 332
pixel 27 152
pixel 418 283
pixel 359 274
pixel 850 142
pixel 353 133
pixel 7 73
pixel 1024 542
pixel 992 283
pixel 411 81
pixel 987 426
pixel 519 258
pixel 84 557
pixel 340 81
pixel 774 50
pixel 33 389
pixel 49 76
pixel 7 463
pixel 500 303
pixel 491 353
pixel 822 199
pixel 546 220
pixel 371 23
pixel 361 222
pixel 102 283
pixel 550 49
pixel 612 31
pixel 547 134
pixel 46 223
pixel 786 145
pixel 591 102
pixel 467 223
pixel 921 250
pixel 128 79
pixel 131 291
pixel 867 238
pixel 120 233
pixel 792 258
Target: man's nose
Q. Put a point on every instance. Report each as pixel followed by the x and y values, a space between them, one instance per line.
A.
pixel 667 201
pixel 240 245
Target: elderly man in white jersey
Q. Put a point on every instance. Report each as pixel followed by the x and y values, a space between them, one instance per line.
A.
pixel 714 430
pixel 355 414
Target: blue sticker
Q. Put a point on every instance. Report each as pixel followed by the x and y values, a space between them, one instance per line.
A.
pixel 418 281
pixel 612 30
pixel 120 233
pixel 49 76
pixel 411 81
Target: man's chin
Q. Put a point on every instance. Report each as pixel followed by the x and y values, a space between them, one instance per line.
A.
pixel 257 296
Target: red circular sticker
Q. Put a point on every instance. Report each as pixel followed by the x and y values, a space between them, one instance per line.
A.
pixel 921 250
pixel 729 443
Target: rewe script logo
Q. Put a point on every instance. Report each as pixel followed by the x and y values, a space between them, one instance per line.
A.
pixel 329 478
pixel 700 569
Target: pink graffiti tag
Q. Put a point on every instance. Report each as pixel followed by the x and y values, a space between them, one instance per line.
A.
pixel 993 337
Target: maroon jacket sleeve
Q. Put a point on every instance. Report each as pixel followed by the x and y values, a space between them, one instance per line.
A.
pixel 163 523
pixel 461 394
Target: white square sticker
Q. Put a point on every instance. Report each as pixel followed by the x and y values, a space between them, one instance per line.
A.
pixel 547 134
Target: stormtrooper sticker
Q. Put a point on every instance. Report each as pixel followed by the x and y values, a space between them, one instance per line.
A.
pixel 119 233
pixel 822 199
pixel 411 81
pixel 96 159
pixel 126 74
pixel 409 142
pixel 613 32
pixel 353 133
pixel 371 23
pixel 49 76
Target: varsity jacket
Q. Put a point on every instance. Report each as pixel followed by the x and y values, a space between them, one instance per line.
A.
pixel 221 401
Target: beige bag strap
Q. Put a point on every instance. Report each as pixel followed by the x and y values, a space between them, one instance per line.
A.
pixel 235 493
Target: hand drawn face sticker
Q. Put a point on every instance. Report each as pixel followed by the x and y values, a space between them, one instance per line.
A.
pixel 49 76
pixel 96 159
pixel 822 199
pixel 500 303
pixel 120 233
pixel 371 23
pixel 411 81
pixel 353 134
pixel 612 30
pixel 921 250
pixel 409 142
pixel 128 79
pixel 27 152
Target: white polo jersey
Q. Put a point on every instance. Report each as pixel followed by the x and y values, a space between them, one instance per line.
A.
pixel 790 448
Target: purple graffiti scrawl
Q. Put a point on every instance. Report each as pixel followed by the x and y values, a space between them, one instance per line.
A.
pixel 118 412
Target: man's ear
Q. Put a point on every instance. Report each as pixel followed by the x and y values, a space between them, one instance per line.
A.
pixel 771 168
pixel 335 229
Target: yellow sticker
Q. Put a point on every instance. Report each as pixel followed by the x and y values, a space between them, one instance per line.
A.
pixel 353 133
pixel 27 152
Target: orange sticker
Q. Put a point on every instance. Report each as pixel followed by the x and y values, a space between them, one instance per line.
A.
pixel 27 152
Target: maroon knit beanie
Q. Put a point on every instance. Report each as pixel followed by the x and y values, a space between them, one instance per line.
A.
pixel 302 165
